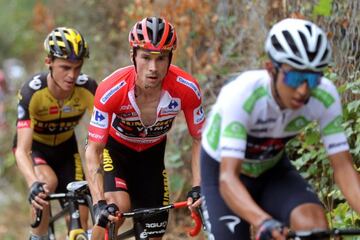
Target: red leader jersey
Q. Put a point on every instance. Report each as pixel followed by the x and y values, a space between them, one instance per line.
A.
pixel 117 114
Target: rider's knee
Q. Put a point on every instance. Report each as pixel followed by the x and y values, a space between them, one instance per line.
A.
pixel 308 216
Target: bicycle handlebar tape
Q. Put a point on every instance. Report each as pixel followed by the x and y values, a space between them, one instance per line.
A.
pixel 197 224
pixel 194 193
pixel 266 228
pixel 35 189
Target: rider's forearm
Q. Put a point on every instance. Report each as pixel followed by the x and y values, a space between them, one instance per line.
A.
pixel 347 178
pixel 195 162
pixel 240 201
pixel 25 165
pixel 94 173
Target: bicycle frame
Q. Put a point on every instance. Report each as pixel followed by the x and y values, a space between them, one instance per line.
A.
pixel 77 191
pixel 139 231
pixel 322 234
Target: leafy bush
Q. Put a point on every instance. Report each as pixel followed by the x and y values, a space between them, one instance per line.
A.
pixel 310 158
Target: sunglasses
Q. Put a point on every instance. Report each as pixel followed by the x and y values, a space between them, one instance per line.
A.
pixel 294 79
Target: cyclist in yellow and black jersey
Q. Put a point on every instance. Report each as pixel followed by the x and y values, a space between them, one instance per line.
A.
pixel 53 120
pixel 50 106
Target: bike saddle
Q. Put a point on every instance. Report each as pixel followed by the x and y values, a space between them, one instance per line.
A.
pixel 77 186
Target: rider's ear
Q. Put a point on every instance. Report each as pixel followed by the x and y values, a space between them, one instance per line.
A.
pixel 48 61
pixel 269 66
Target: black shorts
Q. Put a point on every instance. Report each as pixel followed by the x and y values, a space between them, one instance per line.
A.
pixel 142 175
pixel 278 191
pixel 63 159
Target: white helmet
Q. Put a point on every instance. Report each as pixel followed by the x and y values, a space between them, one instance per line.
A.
pixel 299 43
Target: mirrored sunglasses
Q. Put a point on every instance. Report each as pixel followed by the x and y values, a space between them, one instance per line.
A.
pixel 294 79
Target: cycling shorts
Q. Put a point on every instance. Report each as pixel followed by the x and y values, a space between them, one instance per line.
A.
pixel 142 175
pixel 64 159
pixel 278 191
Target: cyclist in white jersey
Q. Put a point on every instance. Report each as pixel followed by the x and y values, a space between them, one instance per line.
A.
pixel 246 177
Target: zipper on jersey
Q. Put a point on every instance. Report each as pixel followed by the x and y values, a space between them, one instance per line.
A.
pixel 283 114
pixel 58 120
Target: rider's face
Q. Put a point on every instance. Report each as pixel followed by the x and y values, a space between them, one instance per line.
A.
pixel 291 97
pixel 151 67
pixel 65 72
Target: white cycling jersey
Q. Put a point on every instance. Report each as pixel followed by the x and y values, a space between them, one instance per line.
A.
pixel 247 123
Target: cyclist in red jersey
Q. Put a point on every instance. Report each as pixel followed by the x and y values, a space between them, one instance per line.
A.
pixel 134 109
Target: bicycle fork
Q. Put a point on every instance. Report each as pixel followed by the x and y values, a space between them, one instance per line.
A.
pixel 75 224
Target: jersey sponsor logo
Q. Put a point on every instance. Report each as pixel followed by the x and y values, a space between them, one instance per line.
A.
pixel 323 96
pixel 173 107
pixel 136 128
pixel 99 119
pixel 265 121
pixel 120 183
pixel 231 221
pixel 232 149
pixel 334 126
pixel 265 148
pixel 23 124
pixel 335 145
pixel 20 112
pixel 213 134
pixel 189 84
pixel 35 83
pixel 296 124
pixel 112 91
pixel 54 126
pixel 138 140
pixel 128 114
pixel 82 79
pixel 96 136
pixel 235 130
pixel 67 109
pixel 166 197
pixel 53 110
pixel 254 97
pixel 199 115
pixel 39 161
pixel 258 130
pixel 126 107
pixel 107 162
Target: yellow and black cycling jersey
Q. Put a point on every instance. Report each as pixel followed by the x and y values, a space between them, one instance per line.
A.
pixel 53 121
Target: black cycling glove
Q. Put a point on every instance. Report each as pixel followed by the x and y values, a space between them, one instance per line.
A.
pixel 266 228
pixel 194 193
pixel 102 212
pixel 35 189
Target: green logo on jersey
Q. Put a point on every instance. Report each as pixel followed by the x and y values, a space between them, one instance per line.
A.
pixel 213 134
pixel 334 126
pixel 323 97
pixel 235 130
pixel 256 95
pixel 296 124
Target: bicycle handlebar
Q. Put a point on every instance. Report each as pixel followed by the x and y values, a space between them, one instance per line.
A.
pixel 317 234
pixel 54 196
pixel 150 211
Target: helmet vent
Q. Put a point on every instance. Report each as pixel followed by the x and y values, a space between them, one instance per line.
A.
pixel 276 44
pixel 291 43
pixel 295 61
pixel 308 28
